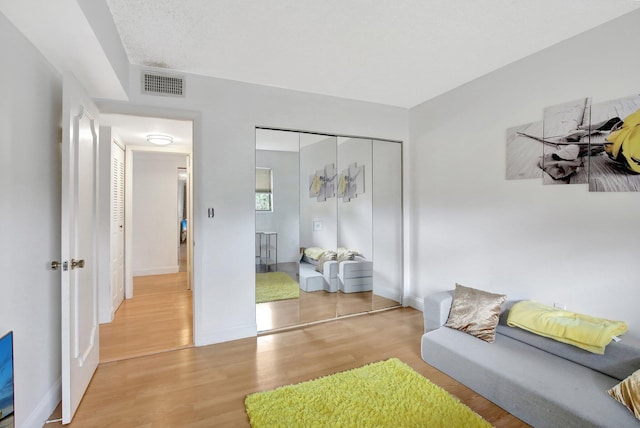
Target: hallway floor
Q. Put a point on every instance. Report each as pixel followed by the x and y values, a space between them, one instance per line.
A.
pixel 158 318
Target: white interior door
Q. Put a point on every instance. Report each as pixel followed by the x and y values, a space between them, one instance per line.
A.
pixel 117 226
pixel 80 340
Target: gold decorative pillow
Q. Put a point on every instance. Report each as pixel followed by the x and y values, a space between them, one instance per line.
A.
pixel 325 257
pixel 346 255
pixel 627 392
pixel 475 312
pixel 347 251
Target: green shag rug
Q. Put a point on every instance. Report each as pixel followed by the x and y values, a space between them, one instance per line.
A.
pixel 383 394
pixel 273 286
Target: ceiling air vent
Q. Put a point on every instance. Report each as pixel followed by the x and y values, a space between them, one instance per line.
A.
pixel 162 84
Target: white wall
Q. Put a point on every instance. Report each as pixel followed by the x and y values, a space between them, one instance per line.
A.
pixel 155 212
pixel 550 243
pixel 30 117
pixel 284 219
pixel 225 115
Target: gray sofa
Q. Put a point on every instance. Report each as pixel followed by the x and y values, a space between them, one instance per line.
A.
pixel 349 276
pixel 312 280
pixel 543 382
pixel 355 275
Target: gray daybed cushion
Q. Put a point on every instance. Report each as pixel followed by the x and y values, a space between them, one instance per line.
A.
pixel 549 391
pixel 309 260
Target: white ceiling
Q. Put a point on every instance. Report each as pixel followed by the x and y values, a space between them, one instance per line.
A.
pixel 395 52
pixel 133 130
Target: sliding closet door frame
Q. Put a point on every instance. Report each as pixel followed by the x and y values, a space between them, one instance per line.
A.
pixel 401 236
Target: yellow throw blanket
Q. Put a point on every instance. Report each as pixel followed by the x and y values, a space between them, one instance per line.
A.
pixel 586 332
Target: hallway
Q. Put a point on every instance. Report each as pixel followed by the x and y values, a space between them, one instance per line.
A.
pixel 158 318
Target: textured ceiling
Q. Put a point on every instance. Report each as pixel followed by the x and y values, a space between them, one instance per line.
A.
pixel 400 52
pixel 395 52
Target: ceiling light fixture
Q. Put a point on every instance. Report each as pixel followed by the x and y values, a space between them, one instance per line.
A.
pixel 160 140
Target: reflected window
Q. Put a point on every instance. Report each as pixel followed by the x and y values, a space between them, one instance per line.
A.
pixel 264 191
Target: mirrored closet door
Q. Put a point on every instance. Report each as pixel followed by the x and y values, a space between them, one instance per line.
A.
pixel 328 227
pixel 355 225
pixel 317 269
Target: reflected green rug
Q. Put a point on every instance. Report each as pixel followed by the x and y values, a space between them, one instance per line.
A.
pixel 272 286
pixel 383 394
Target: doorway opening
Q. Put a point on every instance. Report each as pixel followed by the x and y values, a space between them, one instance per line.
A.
pixel 156 314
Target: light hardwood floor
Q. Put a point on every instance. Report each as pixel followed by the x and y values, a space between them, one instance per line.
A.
pixel 314 306
pixel 206 386
pixel 158 318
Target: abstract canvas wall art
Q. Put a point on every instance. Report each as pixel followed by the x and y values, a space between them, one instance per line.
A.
pixel 580 142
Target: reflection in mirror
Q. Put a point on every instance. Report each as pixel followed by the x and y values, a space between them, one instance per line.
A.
pixel 277 244
pixel 387 224
pixel 355 247
pixel 318 272
pixel 328 227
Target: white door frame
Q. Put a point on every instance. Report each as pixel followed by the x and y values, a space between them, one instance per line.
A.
pixel 119 107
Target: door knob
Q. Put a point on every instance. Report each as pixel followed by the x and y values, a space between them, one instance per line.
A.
pixel 55 265
pixel 77 263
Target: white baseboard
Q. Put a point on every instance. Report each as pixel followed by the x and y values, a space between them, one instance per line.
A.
pixel 388 293
pixel 414 302
pixel 45 407
pixel 161 270
pixel 219 336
